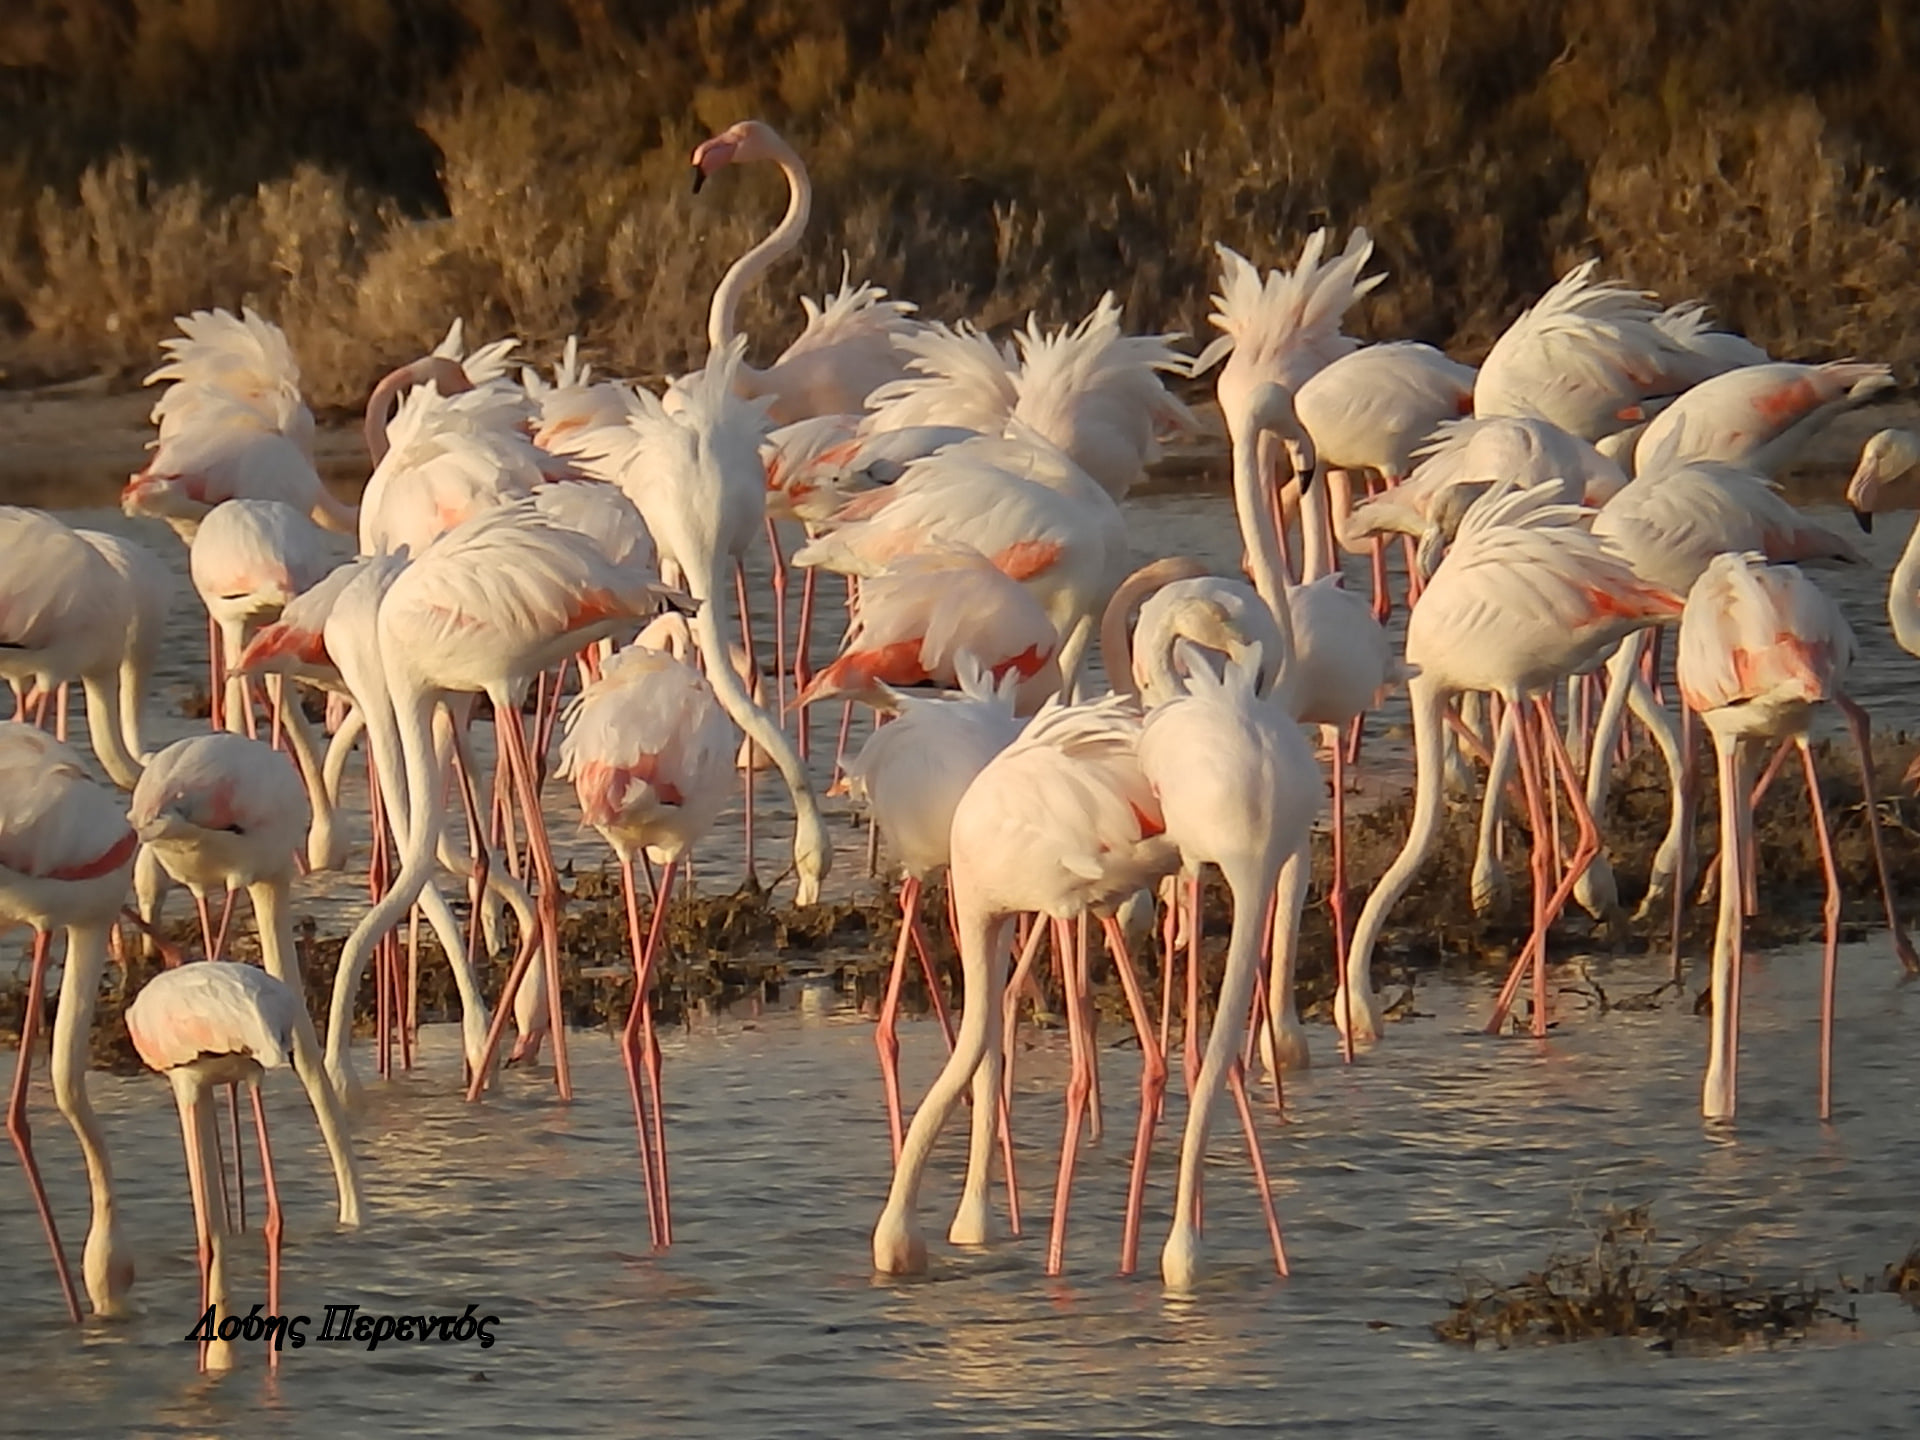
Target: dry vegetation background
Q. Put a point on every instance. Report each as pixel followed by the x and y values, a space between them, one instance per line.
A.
pixel 363 170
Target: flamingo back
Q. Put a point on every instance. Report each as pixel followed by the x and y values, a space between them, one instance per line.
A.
pixel 1753 416
pixel 211 1009
pixel 1760 637
pixel 650 751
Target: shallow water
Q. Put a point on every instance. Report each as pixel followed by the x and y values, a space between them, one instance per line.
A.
pixel 1441 1153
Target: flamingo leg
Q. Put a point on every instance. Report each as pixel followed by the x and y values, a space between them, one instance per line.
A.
pixel 1720 1090
pixel 1830 967
pixel 1237 1083
pixel 1090 1027
pixel 633 1043
pixel 216 699
pixel 1585 848
pixel 935 996
pixel 1079 1083
pixel 1153 1089
pixel 1337 891
pixel 886 1038
pixel 779 580
pixel 548 907
pixel 275 1225
pixel 803 664
pixel 17 1128
pixel 1683 830
pixel 239 1162
pixel 1862 728
pixel 1190 1027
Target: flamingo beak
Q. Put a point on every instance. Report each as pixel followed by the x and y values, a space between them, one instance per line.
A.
pixel 1865 517
pixel 699 179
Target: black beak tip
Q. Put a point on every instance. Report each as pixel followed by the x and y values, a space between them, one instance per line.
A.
pixel 1865 517
pixel 699 179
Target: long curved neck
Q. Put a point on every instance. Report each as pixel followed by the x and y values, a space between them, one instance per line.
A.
pixel 108 1270
pixel 723 314
pixel 447 373
pixel 323 846
pixel 1903 595
pixel 1428 701
pixel 281 960
pixel 1251 879
pixel 813 851
pixel 104 728
pixel 1116 649
pixel 1316 533
pixel 1262 541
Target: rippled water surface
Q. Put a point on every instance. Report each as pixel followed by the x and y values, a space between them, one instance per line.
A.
pixel 1442 1152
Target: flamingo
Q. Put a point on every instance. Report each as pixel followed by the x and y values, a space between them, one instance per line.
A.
pixel 495 601
pixel 1462 461
pixel 649 749
pixel 1669 526
pixel 1023 504
pixel 66 614
pixel 345 638
pixel 1091 391
pixel 247 560
pixel 1524 598
pixel 1368 413
pixel 1760 647
pixel 1585 356
pixel 1758 417
pixel 450 457
pixel 1238 787
pixel 1061 822
pixel 690 463
pixel 911 774
pixel 151 588
pixel 228 811
pixel 920 618
pixel 232 425
pixel 204 1025
pixel 847 349
pixel 1887 458
pixel 66 856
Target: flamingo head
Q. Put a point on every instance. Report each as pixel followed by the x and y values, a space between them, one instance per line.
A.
pixel 740 143
pixel 1885 458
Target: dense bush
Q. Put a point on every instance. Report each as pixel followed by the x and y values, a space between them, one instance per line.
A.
pixel 364 170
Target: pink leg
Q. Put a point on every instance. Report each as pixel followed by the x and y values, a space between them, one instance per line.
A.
pixel 779 621
pixel 1237 1081
pixel 1861 727
pixel 1190 1019
pixel 1586 847
pixel 19 1131
pixel 1830 969
pixel 217 683
pixel 935 997
pixel 1090 1027
pixel 60 713
pixel 275 1225
pixel 1337 893
pixel 548 905
pixel 1688 779
pixel 239 1162
pixel 1078 1085
pixel 1153 1089
pixel 886 1032
pixel 633 1047
pixel 803 660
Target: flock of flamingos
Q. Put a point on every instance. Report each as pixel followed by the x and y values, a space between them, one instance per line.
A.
pixel 1602 479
